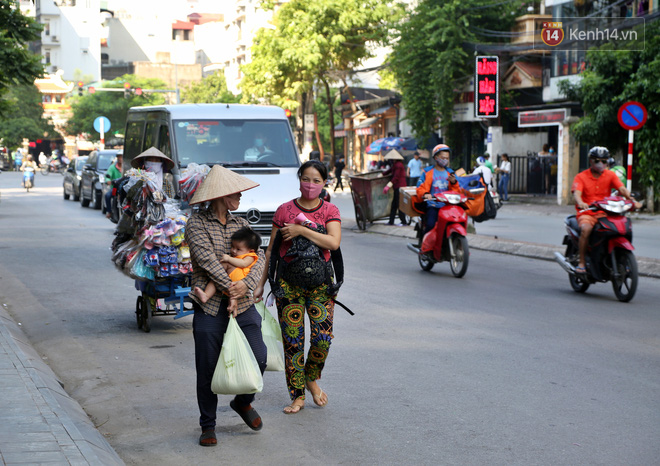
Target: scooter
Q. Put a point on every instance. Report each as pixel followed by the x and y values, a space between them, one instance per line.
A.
pixel 28 178
pixel 448 238
pixel 609 255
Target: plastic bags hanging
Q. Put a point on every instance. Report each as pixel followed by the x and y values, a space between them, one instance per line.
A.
pixel 237 371
pixel 272 335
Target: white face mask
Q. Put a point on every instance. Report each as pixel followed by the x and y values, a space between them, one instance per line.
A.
pixel 154 167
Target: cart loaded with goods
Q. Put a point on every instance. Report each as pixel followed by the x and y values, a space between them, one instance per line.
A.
pixel 149 244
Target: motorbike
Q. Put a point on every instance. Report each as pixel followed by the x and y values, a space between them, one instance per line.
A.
pixel 54 165
pixel 28 178
pixel 447 241
pixel 609 256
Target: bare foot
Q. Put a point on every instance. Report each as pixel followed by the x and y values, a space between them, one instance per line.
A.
pixel 295 407
pixel 201 295
pixel 319 396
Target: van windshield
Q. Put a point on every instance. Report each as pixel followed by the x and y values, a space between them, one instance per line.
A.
pixel 235 143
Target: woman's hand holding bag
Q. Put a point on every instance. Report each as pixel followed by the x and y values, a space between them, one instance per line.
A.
pixel 272 335
pixel 237 371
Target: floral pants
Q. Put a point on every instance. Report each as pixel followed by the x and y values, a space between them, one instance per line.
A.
pixel 291 312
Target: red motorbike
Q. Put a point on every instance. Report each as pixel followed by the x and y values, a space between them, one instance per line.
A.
pixel 447 241
pixel 610 253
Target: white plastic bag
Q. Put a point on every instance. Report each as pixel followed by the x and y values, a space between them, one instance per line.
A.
pixel 272 335
pixel 237 371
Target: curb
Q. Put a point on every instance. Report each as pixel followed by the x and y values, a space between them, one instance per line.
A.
pixel 59 415
pixel 647 267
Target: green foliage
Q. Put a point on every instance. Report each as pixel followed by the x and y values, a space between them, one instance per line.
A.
pixel 18 65
pixel 112 105
pixel 23 117
pixel 613 78
pixel 323 120
pixel 312 42
pixel 212 89
pixel 433 55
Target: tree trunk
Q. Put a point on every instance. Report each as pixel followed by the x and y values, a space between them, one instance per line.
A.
pixel 330 101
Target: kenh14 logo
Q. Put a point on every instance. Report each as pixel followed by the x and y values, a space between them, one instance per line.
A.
pixel 552 34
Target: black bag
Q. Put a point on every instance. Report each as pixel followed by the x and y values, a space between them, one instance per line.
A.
pixel 490 209
pixel 305 265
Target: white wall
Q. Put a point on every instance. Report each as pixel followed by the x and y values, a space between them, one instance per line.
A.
pixel 520 143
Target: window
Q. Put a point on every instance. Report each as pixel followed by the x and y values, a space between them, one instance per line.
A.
pixel 164 141
pixel 150 135
pixel 47 57
pixel 105 59
pixel 132 145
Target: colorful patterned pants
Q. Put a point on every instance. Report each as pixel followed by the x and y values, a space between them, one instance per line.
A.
pixel 291 311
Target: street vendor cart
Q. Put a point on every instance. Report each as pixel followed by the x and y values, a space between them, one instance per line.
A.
pixel 162 296
pixel 368 198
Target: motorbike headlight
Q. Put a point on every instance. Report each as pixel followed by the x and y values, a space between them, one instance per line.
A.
pixel 101 178
pixel 453 198
pixel 79 177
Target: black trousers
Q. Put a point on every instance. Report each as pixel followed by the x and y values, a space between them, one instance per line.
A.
pixel 209 332
pixel 339 181
pixel 395 208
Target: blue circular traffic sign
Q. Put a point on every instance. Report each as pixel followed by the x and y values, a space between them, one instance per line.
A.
pixel 106 124
pixel 632 115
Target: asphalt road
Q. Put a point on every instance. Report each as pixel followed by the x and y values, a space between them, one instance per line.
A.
pixel 505 366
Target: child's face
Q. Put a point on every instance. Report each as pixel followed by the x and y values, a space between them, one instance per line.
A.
pixel 239 248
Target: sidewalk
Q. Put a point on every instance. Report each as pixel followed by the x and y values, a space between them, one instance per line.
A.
pixel 648 267
pixel 39 422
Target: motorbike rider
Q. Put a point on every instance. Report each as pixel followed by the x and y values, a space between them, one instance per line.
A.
pixel 590 185
pixel 111 174
pixel 28 162
pixel 436 179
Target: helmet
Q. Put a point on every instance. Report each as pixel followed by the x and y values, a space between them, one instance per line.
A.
pixel 611 162
pixel 599 152
pixel 440 147
pixel 481 161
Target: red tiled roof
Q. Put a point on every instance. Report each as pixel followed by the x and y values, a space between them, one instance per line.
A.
pixel 183 25
pixel 533 70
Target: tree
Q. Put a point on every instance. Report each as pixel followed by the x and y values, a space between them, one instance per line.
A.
pixel 212 89
pixel 19 66
pixel 433 54
pixel 112 105
pixel 23 117
pixel 313 45
pixel 611 79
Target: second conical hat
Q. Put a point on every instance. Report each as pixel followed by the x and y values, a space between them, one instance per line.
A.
pixel 393 155
pixel 221 182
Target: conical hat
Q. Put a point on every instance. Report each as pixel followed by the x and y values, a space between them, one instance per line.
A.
pixel 138 161
pixel 393 155
pixel 221 182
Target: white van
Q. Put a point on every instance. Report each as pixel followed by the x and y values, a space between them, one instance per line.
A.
pixel 228 135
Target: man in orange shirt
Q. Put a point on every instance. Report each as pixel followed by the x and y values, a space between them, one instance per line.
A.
pixel 594 184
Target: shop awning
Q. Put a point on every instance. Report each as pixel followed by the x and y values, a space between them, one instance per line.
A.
pixel 340 126
pixel 380 111
pixel 366 123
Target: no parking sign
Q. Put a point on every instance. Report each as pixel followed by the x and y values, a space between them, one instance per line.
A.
pixel 632 116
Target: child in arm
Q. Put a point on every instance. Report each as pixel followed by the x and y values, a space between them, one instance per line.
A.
pixel 237 265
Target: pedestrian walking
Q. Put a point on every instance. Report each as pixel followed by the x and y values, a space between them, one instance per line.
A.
pixel 208 234
pixel 414 170
pixel 505 173
pixel 339 167
pixel 398 181
pixel 304 290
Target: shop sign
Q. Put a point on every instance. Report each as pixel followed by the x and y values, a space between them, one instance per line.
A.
pixel 340 134
pixel 486 81
pixel 364 131
pixel 541 117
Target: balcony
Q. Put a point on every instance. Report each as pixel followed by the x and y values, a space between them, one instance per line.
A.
pixel 528 29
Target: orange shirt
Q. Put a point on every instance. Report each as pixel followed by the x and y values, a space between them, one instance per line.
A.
pixel 595 189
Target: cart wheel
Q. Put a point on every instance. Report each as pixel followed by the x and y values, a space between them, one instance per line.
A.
pixel 138 312
pixel 147 309
pixel 360 218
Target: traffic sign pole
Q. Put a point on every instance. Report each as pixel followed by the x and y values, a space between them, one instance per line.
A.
pixel 631 134
pixel 102 123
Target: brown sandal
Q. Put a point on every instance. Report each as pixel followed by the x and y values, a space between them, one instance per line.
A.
pixel 208 438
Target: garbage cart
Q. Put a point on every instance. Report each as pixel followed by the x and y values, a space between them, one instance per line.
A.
pixel 368 198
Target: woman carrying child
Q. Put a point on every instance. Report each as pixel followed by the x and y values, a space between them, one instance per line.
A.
pixel 295 299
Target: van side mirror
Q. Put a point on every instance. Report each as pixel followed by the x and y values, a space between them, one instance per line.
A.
pixel 88 166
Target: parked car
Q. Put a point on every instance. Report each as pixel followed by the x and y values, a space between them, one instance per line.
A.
pixel 72 176
pixel 93 177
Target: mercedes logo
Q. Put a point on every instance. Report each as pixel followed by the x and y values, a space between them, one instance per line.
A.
pixel 253 216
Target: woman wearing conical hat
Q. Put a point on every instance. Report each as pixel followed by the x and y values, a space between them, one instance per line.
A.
pixel 154 161
pixel 208 234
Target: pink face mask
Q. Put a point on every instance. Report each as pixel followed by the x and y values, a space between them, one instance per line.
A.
pixel 310 190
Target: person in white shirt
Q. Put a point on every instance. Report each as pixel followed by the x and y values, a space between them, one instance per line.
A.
pixel 253 154
pixel 505 173
pixel 483 170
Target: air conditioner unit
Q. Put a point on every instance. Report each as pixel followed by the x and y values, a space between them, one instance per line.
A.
pixel 54 38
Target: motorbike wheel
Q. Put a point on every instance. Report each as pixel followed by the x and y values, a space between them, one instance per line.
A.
pixel 578 283
pixel 76 196
pixel 425 262
pixel 626 285
pixel 138 312
pixel 66 196
pixel 459 261
pixel 83 202
pixel 96 197
pixel 360 218
pixel 44 171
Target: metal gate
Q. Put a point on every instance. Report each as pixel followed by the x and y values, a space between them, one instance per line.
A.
pixel 531 174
